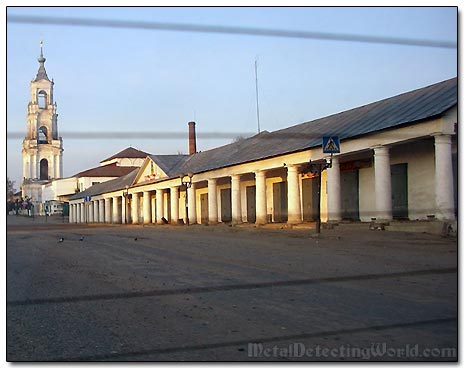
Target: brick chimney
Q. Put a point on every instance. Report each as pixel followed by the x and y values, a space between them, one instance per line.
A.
pixel 192 138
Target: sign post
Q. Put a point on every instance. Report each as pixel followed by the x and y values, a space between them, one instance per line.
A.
pixel 87 200
pixel 330 144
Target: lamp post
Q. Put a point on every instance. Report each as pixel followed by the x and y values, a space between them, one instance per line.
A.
pixel 186 181
pixel 317 168
pixel 126 202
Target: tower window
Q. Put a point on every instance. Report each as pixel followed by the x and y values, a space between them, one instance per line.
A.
pixel 42 99
pixel 43 169
pixel 42 138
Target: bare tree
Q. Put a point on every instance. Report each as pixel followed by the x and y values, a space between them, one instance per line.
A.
pixel 10 190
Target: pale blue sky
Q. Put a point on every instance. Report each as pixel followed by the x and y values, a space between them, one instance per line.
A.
pixel 136 80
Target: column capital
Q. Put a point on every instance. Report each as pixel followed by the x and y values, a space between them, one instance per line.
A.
pixel 260 173
pixel 441 138
pixel 381 149
pixel 292 167
pixel 236 176
pixel 212 180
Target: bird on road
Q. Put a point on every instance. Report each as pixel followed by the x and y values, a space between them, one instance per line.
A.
pixel 135 239
pixel 81 238
pixel 61 240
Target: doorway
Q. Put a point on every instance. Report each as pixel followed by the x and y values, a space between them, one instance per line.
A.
pixel 349 192
pixel 310 198
pixel 43 169
pixel 204 208
pixel 226 205
pixel 251 203
pixel 280 201
pixel 399 185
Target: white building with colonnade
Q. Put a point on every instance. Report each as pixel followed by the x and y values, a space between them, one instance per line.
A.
pixel 398 161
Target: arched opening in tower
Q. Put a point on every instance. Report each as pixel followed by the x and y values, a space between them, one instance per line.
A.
pixel 42 99
pixel 43 169
pixel 42 135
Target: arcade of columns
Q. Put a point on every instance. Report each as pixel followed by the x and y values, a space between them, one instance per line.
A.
pixel 111 207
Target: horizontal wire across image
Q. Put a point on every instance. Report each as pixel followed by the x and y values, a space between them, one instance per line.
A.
pixel 248 31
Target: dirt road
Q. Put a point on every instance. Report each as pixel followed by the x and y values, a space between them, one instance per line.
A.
pixel 226 293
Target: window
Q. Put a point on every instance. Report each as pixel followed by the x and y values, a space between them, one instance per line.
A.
pixel 43 169
pixel 42 136
pixel 42 100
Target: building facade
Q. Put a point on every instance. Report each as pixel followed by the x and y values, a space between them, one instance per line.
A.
pixel 398 161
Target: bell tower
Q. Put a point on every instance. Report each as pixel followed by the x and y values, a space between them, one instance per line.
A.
pixel 42 146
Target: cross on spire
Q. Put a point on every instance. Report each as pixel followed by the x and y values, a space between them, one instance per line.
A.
pixel 41 74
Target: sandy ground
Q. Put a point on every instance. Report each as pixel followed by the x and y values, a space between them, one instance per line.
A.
pixel 163 293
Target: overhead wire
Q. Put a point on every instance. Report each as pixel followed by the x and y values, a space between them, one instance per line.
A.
pixel 248 31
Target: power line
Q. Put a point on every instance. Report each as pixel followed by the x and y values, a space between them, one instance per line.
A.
pixel 265 32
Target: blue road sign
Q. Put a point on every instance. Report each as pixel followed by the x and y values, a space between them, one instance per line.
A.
pixel 331 144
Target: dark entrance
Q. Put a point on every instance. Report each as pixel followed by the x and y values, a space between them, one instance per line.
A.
pixel 226 205
pixel 280 201
pixel 309 191
pixel 251 203
pixel 349 192
pixel 204 208
pixel 43 169
pixel 399 183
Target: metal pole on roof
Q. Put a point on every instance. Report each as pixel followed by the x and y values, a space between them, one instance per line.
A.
pixel 257 100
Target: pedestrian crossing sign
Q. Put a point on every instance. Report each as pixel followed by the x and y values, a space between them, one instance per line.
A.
pixel 331 144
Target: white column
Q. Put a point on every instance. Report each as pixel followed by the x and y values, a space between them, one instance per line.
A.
pixel 71 213
pixel 153 209
pixel 444 186
pixel 293 195
pixel 334 204
pixel 135 208
pixel 83 214
pixel 59 164
pixel 25 166
pixel 101 210
pixel 261 206
pixel 116 210
pixel 159 205
pixel 146 207
pixel 192 204
pixel 383 194
pixel 55 167
pixel 90 212
pixel 212 202
pixel 96 211
pixel 123 209
pixel 236 200
pixel 174 204
pixel 37 167
pixel 108 210
pixel 78 212
pixel 34 166
pixel 52 167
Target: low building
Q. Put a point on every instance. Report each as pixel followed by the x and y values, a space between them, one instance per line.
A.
pixel 398 160
pixel 113 167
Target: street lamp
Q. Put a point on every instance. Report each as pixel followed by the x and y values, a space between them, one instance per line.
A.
pixel 186 181
pixel 126 201
pixel 317 168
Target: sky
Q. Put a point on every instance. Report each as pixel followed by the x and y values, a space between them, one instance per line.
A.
pixel 131 80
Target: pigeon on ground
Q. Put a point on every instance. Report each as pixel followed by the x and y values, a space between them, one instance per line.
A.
pixel 135 239
pixel 81 238
pixel 61 240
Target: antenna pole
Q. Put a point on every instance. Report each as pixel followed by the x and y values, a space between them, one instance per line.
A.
pixel 257 100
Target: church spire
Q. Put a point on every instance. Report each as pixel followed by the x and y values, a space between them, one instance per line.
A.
pixel 41 74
